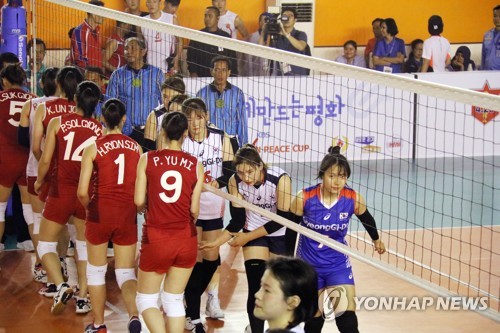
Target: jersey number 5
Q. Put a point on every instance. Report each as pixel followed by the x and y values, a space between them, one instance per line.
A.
pixel 176 186
pixel 15 107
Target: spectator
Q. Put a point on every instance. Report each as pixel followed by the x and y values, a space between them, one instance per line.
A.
pixel 200 55
pixel 133 7
pixel 414 62
pixel 171 7
pixel 462 62
pixel 390 51
pixel 86 40
pixel 256 65
pixel 160 44
pixel 436 52
pixel 231 23
pixel 490 55
pixel 370 46
pixel 289 39
pixel 113 57
pixel 170 88
pixel 96 75
pixel 350 57
pixel 225 102
pixel 36 53
pixel 138 86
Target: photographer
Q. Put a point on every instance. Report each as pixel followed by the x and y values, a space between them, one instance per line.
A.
pixel 286 38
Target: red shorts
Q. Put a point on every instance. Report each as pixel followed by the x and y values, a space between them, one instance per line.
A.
pixel 59 209
pixel 13 167
pixel 178 250
pixel 31 185
pixel 119 234
pixel 44 190
pixel 110 212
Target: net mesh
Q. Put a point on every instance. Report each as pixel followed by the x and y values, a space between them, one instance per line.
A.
pixel 422 153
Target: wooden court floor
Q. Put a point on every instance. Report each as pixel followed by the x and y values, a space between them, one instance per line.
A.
pixel 23 310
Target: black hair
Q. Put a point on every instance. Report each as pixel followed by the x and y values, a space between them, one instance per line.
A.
pixel 392 27
pixel 95 69
pixel 175 83
pixel 351 42
pixel 49 81
pixel 36 41
pixel 334 158
pixel 96 3
pixel 70 32
pixel 249 154
pixel 215 9
pixel 378 19
pixel 296 278
pixel 87 96
pixel 415 42
pixel 68 79
pixel 179 99
pixel 192 104
pixel 8 57
pixel 174 3
pixel 221 58
pixel 290 9
pixel 496 8
pixel 435 25
pixel 174 125
pixel 113 111
pixel 14 73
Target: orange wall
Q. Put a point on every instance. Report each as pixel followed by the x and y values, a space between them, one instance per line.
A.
pixel 465 20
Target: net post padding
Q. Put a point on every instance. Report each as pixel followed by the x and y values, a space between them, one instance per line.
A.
pixel 441 91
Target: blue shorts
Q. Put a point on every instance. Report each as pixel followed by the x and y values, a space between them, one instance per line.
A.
pixel 210 225
pixel 335 275
pixel 275 244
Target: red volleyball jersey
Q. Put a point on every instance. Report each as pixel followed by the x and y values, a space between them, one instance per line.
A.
pixel 115 165
pixel 75 133
pixel 172 176
pixel 55 108
pixel 11 105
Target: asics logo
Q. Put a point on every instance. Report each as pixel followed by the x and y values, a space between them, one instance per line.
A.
pixel 327 216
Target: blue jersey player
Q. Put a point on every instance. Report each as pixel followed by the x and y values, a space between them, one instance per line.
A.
pixel 327 208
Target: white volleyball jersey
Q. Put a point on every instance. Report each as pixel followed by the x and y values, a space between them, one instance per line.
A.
pixel 160 44
pixel 264 196
pixel 210 153
pixel 32 166
pixel 226 23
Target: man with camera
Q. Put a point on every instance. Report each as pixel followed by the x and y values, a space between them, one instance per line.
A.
pixel 280 33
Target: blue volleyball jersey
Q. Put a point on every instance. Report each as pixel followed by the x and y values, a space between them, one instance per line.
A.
pixel 330 221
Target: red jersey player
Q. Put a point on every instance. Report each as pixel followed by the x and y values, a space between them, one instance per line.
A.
pixel 66 138
pixel 13 157
pixel 172 181
pixel 111 213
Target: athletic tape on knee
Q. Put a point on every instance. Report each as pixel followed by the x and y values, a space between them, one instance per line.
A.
pixel 28 214
pixel 123 275
pixel 72 232
pixel 46 247
pixel 146 301
pixel 81 250
pixel 173 304
pixel 37 220
pixel 3 208
pixel 96 275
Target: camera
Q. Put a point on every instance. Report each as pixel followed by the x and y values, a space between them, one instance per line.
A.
pixel 273 25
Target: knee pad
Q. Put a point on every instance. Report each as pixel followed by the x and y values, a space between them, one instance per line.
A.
pixel 146 301
pixel 28 214
pixel 123 275
pixel 81 249
pixel 96 275
pixel 173 304
pixel 37 219
pixel 44 248
pixel 3 208
pixel 347 322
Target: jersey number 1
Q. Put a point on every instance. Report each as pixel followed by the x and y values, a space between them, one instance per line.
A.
pixel 120 161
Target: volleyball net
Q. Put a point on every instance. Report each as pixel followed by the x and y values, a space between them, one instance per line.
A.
pixel 423 154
